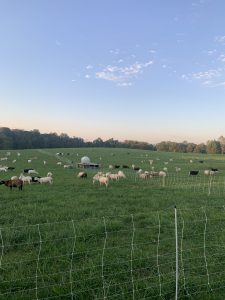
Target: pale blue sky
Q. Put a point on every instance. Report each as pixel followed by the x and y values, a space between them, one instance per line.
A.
pixel 149 70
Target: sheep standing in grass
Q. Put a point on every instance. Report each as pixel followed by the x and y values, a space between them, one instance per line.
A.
pixel 25 178
pixel 45 180
pixel 82 175
pixel 13 183
pixel 103 181
pixel 121 174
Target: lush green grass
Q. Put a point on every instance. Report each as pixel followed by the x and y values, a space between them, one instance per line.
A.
pixel 113 242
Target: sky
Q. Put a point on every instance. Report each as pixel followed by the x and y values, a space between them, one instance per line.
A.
pixel 147 70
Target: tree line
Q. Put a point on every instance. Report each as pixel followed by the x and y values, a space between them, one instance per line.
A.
pixel 33 139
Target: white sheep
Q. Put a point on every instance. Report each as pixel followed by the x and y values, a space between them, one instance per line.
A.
pixel 29 161
pixel 209 172
pixel 49 174
pixel 32 172
pixel 14 161
pixel 162 173
pixel 25 178
pixel 143 176
pixel 114 176
pixel 14 178
pixel 59 163
pixel 121 174
pixel 3 169
pixel 45 180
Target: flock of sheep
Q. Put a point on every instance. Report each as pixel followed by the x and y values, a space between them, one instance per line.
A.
pixel 19 181
pixel 103 178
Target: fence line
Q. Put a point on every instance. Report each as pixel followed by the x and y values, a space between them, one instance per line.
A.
pixel 168 253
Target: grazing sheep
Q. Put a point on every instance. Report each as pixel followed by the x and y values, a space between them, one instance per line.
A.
pixel 193 173
pixel 35 179
pixel 143 176
pixel 29 161
pixel 3 169
pixel 59 163
pixel 82 175
pixel 114 176
pixel 49 174
pixel 165 169
pixel 10 168
pixel 161 173
pixel 44 162
pixel 177 169
pixel 103 181
pixel 67 167
pixel 45 180
pixel 121 174
pixel 32 172
pixel 191 161
pixel 4 158
pixel 14 161
pixel 151 161
pixel 110 167
pixel 14 177
pixel 96 178
pixel 25 178
pixel 13 183
pixel 18 154
pixel 209 172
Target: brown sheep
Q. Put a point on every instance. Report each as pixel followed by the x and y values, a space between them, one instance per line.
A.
pixel 13 183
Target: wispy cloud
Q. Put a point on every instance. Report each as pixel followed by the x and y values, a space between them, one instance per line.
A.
pixel 122 76
pixel 209 74
pixel 89 67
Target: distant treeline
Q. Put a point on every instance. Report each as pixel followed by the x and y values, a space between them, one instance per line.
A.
pixel 33 139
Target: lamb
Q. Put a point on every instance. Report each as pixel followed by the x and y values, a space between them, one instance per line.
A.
pixel 13 183
pixel 3 169
pixel 14 177
pixel 59 163
pixel 49 174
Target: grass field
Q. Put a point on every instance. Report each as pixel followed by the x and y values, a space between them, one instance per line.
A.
pixel 76 240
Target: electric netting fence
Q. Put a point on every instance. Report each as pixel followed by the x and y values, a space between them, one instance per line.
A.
pixel 168 254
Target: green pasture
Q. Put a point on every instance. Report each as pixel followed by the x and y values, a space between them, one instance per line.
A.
pixel 76 240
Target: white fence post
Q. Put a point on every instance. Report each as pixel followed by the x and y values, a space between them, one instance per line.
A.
pixel 177 262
